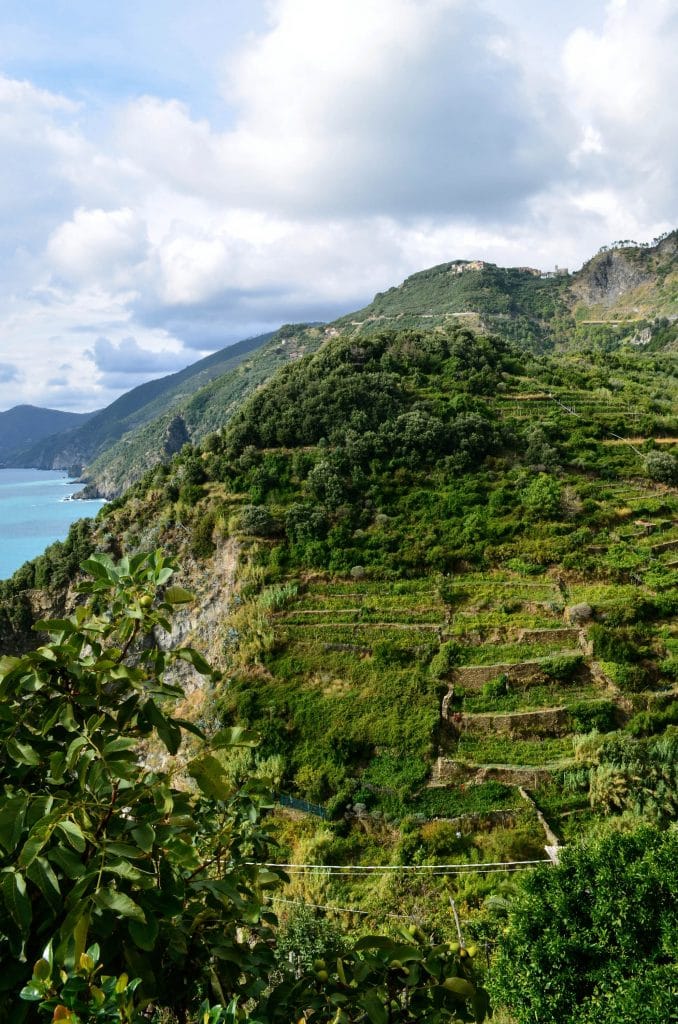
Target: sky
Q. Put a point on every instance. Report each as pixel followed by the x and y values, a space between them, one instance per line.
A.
pixel 175 177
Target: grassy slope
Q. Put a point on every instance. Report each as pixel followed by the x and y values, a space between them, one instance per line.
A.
pixel 348 662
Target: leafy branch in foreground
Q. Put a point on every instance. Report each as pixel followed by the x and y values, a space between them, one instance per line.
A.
pixel 94 845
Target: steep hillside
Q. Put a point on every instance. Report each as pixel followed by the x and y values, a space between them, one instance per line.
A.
pixel 28 424
pixel 517 303
pixel 438 575
pixel 77 446
pixel 627 295
pixel 190 417
pixel 630 280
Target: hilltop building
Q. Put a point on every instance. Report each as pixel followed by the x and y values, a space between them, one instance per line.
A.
pixel 558 272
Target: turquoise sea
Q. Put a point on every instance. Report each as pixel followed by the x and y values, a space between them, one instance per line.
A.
pixel 34 512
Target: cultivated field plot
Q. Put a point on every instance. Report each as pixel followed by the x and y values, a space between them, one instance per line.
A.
pixel 368 657
pixel 526 698
pixel 506 654
pixel 498 750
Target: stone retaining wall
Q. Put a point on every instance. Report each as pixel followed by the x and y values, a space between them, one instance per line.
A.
pixel 482 822
pixel 475 676
pixel 519 725
pixel 450 773
pixel 535 636
pixel 667 545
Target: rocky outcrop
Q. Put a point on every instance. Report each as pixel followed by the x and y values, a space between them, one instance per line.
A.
pixel 176 436
pixel 605 279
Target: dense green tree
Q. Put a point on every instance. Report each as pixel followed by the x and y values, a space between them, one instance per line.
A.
pixel 586 938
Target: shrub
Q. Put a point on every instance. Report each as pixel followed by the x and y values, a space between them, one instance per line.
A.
pixel 257 520
pixel 445 660
pixel 663 467
pixel 497 687
pixel 387 653
pixel 587 715
pixel 626 677
pixel 563 667
pixel 583 935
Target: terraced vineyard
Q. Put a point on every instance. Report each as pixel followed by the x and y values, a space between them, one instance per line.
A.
pixel 482 678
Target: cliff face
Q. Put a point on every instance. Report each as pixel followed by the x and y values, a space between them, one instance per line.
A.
pixel 609 277
pixel 635 279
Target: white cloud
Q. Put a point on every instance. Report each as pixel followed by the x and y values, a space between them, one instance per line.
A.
pixel 128 357
pixel 98 245
pixel 398 107
pixel 353 142
pixel 624 80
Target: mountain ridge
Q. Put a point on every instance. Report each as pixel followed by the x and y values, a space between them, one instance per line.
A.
pixel 624 294
pixel 21 421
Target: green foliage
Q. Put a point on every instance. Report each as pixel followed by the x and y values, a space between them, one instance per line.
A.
pixel 497 687
pixel 257 520
pixel 582 936
pixel 563 667
pixel 94 845
pixel 663 467
pixel 81 995
pixel 386 981
pixel 637 775
pixel 170 882
pixel 542 497
pixel 588 715
pixel 445 660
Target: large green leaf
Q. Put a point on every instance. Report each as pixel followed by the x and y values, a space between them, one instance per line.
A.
pixel 100 566
pixel 73 834
pixel 195 659
pixel 210 777
pixel 376 1011
pixel 167 730
pixel 119 903
pixel 144 836
pixel 17 900
pixel 178 595
pixel 460 987
pixel 22 753
pixel 12 814
pixel 236 736
pixel 145 934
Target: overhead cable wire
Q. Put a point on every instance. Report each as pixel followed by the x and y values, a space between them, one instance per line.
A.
pixel 498 865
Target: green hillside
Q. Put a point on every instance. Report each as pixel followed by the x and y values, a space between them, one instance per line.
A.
pixel 191 414
pixel 624 296
pixel 76 446
pixel 415 514
pixel 437 571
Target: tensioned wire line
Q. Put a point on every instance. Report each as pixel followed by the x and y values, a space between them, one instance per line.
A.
pixel 350 869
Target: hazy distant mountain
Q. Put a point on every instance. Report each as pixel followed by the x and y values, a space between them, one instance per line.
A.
pixel 27 424
pixel 75 446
